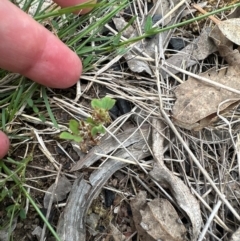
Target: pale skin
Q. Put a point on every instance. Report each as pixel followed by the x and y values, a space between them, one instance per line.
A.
pixel 28 48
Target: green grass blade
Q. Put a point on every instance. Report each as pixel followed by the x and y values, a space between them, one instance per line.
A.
pixel 67 10
pixel 18 182
pixel 45 98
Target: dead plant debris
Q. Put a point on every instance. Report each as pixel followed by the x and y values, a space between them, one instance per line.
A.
pixel 199 104
pixel 171 163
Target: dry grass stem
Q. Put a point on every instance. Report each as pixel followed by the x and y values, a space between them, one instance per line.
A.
pixel 202 78
pixel 201 10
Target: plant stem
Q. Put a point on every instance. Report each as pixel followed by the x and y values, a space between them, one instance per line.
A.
pixel 201 10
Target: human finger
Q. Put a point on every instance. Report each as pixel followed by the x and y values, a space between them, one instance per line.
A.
pixel 28 48
pixel 4 144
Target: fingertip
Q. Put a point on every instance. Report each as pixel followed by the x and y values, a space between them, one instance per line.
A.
pixel 71 71
pixel 4 144
pixel 28 48
pixel 58 66
pixel 74 70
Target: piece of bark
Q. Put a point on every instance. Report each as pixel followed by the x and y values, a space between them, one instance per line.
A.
pixel 180 192
pixel 71 226
pixel 108 144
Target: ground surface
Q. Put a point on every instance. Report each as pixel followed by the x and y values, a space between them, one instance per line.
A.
pixel 163 172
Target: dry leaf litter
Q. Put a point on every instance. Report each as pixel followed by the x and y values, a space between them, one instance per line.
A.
pixel 170 166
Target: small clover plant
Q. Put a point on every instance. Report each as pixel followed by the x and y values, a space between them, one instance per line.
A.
pixel 86 132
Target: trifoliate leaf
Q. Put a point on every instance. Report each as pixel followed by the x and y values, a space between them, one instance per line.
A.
pixel 105 103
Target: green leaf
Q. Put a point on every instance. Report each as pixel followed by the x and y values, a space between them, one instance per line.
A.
pixel 97 129
pixel 74 126
pixel 148 24
pixel 47 104
pixel 35 109
pixel 3 194
pixel 116 40
pixel 22 214
pixel 94 131
pixel 78 139
pixel 122 50
pixel 30 102
pixel 68 136
pixel 90 121
pixel 96 104
pixel 105 103
pixel 152 31
pixel 108 103
pixel 87 60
